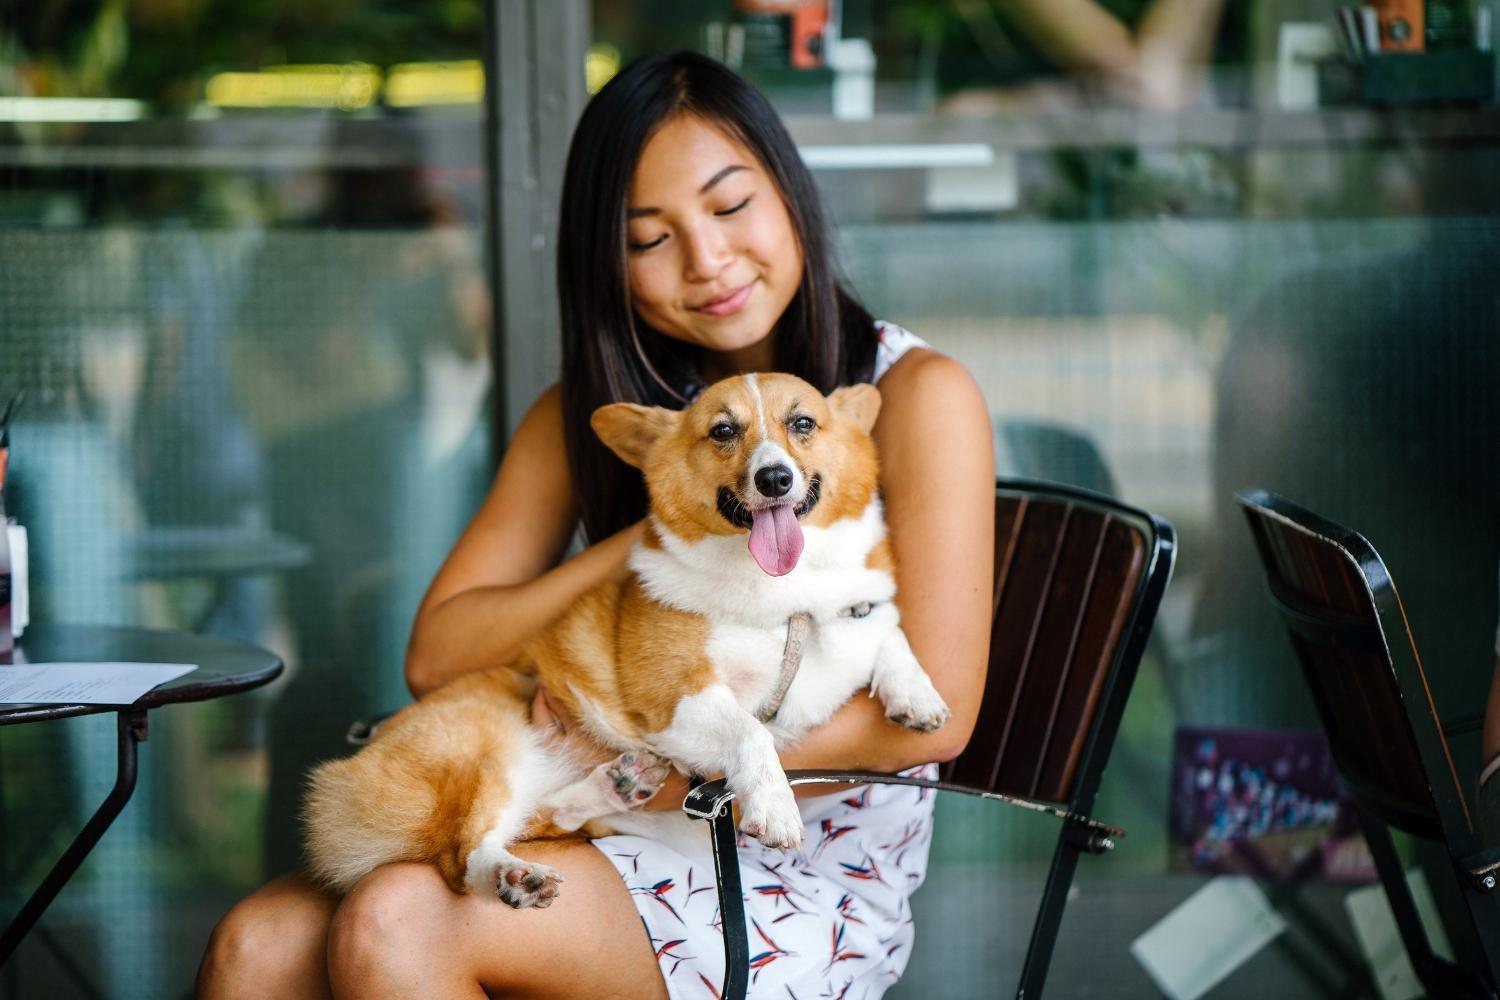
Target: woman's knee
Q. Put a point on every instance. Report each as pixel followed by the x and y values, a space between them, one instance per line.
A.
pixel 390 918
pixel 270 944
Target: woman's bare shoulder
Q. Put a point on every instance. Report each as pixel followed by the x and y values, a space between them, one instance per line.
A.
pixel 545 415
pixel 926 385
pixel 538 443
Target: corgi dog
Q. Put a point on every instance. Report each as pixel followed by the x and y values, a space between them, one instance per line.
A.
pixel 763 512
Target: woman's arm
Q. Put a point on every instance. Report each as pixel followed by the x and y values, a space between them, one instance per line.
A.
pixel 1156 65
pixel 501 583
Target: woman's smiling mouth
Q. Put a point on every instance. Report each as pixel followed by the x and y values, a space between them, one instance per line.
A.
pixel 727 305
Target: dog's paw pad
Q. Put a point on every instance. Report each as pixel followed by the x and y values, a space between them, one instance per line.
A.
pixel 522 884
pixel 636 776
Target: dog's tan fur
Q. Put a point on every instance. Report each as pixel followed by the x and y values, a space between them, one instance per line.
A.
pixel 432 783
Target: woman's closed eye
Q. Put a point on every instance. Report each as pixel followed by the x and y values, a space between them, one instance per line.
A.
pixel 640 246
pixel 735 208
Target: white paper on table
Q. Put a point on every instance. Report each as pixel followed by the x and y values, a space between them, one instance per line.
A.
pixel 20 582
pixel 1208 936
pixel 84 683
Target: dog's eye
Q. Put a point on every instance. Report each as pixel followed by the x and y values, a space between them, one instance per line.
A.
pixel 722 432
pixel 804 425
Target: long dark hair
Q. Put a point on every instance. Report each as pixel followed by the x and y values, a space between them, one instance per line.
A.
pixel 609 354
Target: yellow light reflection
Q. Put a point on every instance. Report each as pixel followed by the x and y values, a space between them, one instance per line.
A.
pixel 412 84
pixel 353 86
pixel 348 87
pixel 599 66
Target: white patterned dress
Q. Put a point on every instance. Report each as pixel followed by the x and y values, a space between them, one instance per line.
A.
pixel 829 920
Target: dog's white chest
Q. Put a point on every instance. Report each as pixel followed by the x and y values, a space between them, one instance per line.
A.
pixel 837 658
pixel 748 611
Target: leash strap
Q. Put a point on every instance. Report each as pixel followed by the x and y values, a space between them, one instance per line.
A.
pixel 797 628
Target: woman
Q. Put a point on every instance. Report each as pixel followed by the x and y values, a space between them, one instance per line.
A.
pixel 692 247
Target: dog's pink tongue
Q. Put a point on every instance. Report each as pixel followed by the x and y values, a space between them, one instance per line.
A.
pixel 776 539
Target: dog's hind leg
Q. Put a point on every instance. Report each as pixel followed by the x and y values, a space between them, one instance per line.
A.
pixel 627 782
pixel 499 811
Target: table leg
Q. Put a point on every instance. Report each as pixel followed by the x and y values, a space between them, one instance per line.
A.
pixel 130 732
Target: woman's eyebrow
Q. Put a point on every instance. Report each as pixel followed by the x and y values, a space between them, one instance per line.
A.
pixel 636 213
pixel 716 178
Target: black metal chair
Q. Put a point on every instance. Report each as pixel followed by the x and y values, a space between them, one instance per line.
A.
pixel 1078 581
pixel 1350 635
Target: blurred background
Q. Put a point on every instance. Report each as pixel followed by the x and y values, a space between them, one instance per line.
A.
pixel 276 280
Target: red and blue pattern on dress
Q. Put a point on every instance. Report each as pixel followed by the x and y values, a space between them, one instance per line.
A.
pixel 829 920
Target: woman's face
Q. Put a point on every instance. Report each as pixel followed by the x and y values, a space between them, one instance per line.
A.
pixel 712 256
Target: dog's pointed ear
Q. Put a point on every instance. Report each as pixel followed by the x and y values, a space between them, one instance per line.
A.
pixel 629 429
pixel 859 404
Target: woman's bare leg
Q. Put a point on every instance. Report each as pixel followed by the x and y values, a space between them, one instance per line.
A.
pixel 272 945
pixel 402 933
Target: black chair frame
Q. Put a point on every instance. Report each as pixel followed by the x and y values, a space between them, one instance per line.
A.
pixel 1429 803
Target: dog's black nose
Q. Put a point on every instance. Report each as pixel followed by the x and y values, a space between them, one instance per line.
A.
pixel 773 481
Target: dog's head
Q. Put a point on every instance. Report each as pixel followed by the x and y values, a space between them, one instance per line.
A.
pixel 760 454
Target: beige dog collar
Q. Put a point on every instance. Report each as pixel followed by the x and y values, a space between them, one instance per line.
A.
pixel 797 628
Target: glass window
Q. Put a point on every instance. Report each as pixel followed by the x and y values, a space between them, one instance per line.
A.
pixel 243 295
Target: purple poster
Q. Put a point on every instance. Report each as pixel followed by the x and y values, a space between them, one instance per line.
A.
pixel 1265 803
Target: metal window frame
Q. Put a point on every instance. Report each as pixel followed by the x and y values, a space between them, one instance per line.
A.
pixel 534 91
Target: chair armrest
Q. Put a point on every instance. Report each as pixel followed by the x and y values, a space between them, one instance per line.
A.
pixel 362 731
pixel 709 799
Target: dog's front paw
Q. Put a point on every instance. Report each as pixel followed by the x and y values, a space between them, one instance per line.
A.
pixel 920 708
pixel 521 884
pixel 771 817
pixel 636 776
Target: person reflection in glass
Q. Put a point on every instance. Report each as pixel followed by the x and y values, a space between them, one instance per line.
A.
pixel 1001 54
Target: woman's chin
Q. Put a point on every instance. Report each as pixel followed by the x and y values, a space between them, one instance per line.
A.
pixel 729 336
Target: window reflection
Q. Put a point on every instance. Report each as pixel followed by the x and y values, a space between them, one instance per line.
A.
pixel 244 293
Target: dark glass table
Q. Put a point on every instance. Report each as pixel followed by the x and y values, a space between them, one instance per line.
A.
pixel 224 667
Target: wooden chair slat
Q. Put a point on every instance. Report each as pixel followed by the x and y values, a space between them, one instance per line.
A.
pixel 1122 560
pixel 1019 602
pixel 1041 694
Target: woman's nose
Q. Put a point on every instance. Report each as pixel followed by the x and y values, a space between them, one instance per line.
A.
pixel 708 253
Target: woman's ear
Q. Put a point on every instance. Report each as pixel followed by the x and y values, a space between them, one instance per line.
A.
pixel 859 404
pixel 629 429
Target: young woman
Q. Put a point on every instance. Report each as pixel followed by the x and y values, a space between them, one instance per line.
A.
pixel 692 247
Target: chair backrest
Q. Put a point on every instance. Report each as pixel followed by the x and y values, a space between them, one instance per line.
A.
pixel 1049 452
pixel 1350 635
pixel 1078 580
